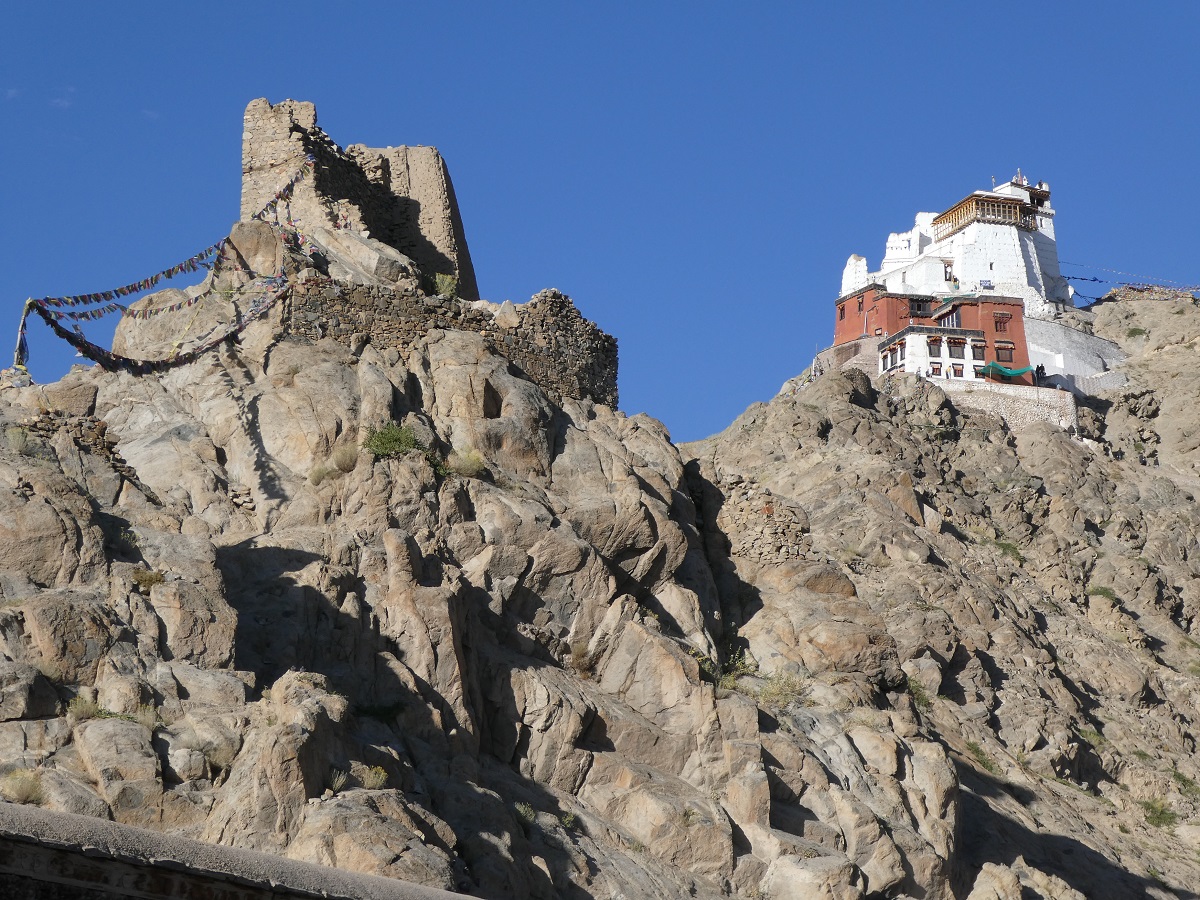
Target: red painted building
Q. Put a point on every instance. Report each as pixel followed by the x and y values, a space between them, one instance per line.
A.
pixel 949 336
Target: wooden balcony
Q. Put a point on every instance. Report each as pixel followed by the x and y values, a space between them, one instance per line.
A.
pixel 989 208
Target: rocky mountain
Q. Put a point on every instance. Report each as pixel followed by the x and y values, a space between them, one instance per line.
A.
pixel 409 608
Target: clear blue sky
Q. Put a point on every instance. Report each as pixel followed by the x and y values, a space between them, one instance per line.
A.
pixel 694 175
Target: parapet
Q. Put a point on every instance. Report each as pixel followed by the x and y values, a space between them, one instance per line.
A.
pixel 400 196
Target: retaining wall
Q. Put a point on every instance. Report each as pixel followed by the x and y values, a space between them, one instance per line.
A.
pixel 1018 405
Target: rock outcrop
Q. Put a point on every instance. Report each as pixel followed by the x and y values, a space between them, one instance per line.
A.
pixel 860 644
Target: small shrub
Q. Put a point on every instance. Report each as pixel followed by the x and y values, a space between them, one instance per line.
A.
pixel 345 457
pixel 1010 550
pixel 920 696
pixel 337 780
pixel 467 465
pixel 569 821
pixel 375 778
pixel 636 846
pixel 146 579
pixel 1143 755
pixel 320 474
pixel 1187 786
pixel 391 440
pixel 982 758
pixel 781 690
pixel 1093 737
pixel 581 659
pixel 82 708
pixel 733 669
pixel 689 817
pixel 525 813
pixel 1159 813
pixel 22 786
pixel 1136 332
pixel 220 756
pixel 1102 592
pixel 445 285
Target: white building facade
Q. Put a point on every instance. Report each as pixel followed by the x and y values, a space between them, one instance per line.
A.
pixel 999 242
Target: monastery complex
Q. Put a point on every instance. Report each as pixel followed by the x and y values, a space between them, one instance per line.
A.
pixel 973 296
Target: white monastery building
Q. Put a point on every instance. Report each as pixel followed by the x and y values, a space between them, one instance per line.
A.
pixel 998 242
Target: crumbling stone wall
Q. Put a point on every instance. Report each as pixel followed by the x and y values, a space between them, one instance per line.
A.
pixel 401 196
pixel 547 338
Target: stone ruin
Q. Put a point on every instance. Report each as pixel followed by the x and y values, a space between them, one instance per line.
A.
pixel 376 226
pixel 400 196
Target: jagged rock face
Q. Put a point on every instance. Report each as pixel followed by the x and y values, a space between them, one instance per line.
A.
pixel 861 644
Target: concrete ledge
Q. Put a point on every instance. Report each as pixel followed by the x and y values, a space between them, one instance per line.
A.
pixel 55 856
pixel 1019 405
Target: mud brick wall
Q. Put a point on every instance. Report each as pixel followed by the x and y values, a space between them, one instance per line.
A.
pixel 551 342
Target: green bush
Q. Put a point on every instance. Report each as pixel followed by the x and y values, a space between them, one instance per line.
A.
pixel 1102 592
pixel 445 285
pixel 82 708
pixel 982 758
pixel 526 813
pixel 1136 332
pixel 920 696
pixel 1159 813
pixel 392 439
pixel 337 780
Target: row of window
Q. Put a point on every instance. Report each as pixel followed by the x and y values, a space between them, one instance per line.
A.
pixel 958 350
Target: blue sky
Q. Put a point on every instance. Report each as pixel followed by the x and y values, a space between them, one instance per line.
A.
pixel 694 175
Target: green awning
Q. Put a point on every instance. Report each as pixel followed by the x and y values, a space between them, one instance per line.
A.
pixel 994 368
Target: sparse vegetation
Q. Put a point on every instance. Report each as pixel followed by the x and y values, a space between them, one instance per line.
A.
pixel 569 821
pixel 23 786
pixel 1136 332
pixel 1194 669
pixel 581 659
pixel 525 813
pixel 82 708
pixel 337 780
pixel 1010 550
pixel 146 579
pixel 320 474
pixel 1100 591
pixel 146 716
pixel 781 690
pixel 1143 756
pixel 1093 737
pixel 445 285
pixel 1159 813
pixel 392 439
pixel 689 817
pixel 981 757
pixel 1187 786
pixel 920 696
pixel 375 778
pixel 470 464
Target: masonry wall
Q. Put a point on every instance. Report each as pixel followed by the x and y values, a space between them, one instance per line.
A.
pixel 1018 405
pixel 549 340
pixel 401 196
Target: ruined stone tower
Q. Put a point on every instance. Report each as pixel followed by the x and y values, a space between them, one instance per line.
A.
pixel 401 196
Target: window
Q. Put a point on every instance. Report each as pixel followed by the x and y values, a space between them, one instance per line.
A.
pixel 952 320
pixel 1004 354
pixel 841 312
pixel 878 331
pixel 957 351
pixel 935 368
pixel 956 371
pixel 977 351
pixel 979 371
pixel 860 304
pixel 1001 322
pixel 901 352
pixel 935 346
pixel 947 271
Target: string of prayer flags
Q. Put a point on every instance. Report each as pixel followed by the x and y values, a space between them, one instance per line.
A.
pixel 192 264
